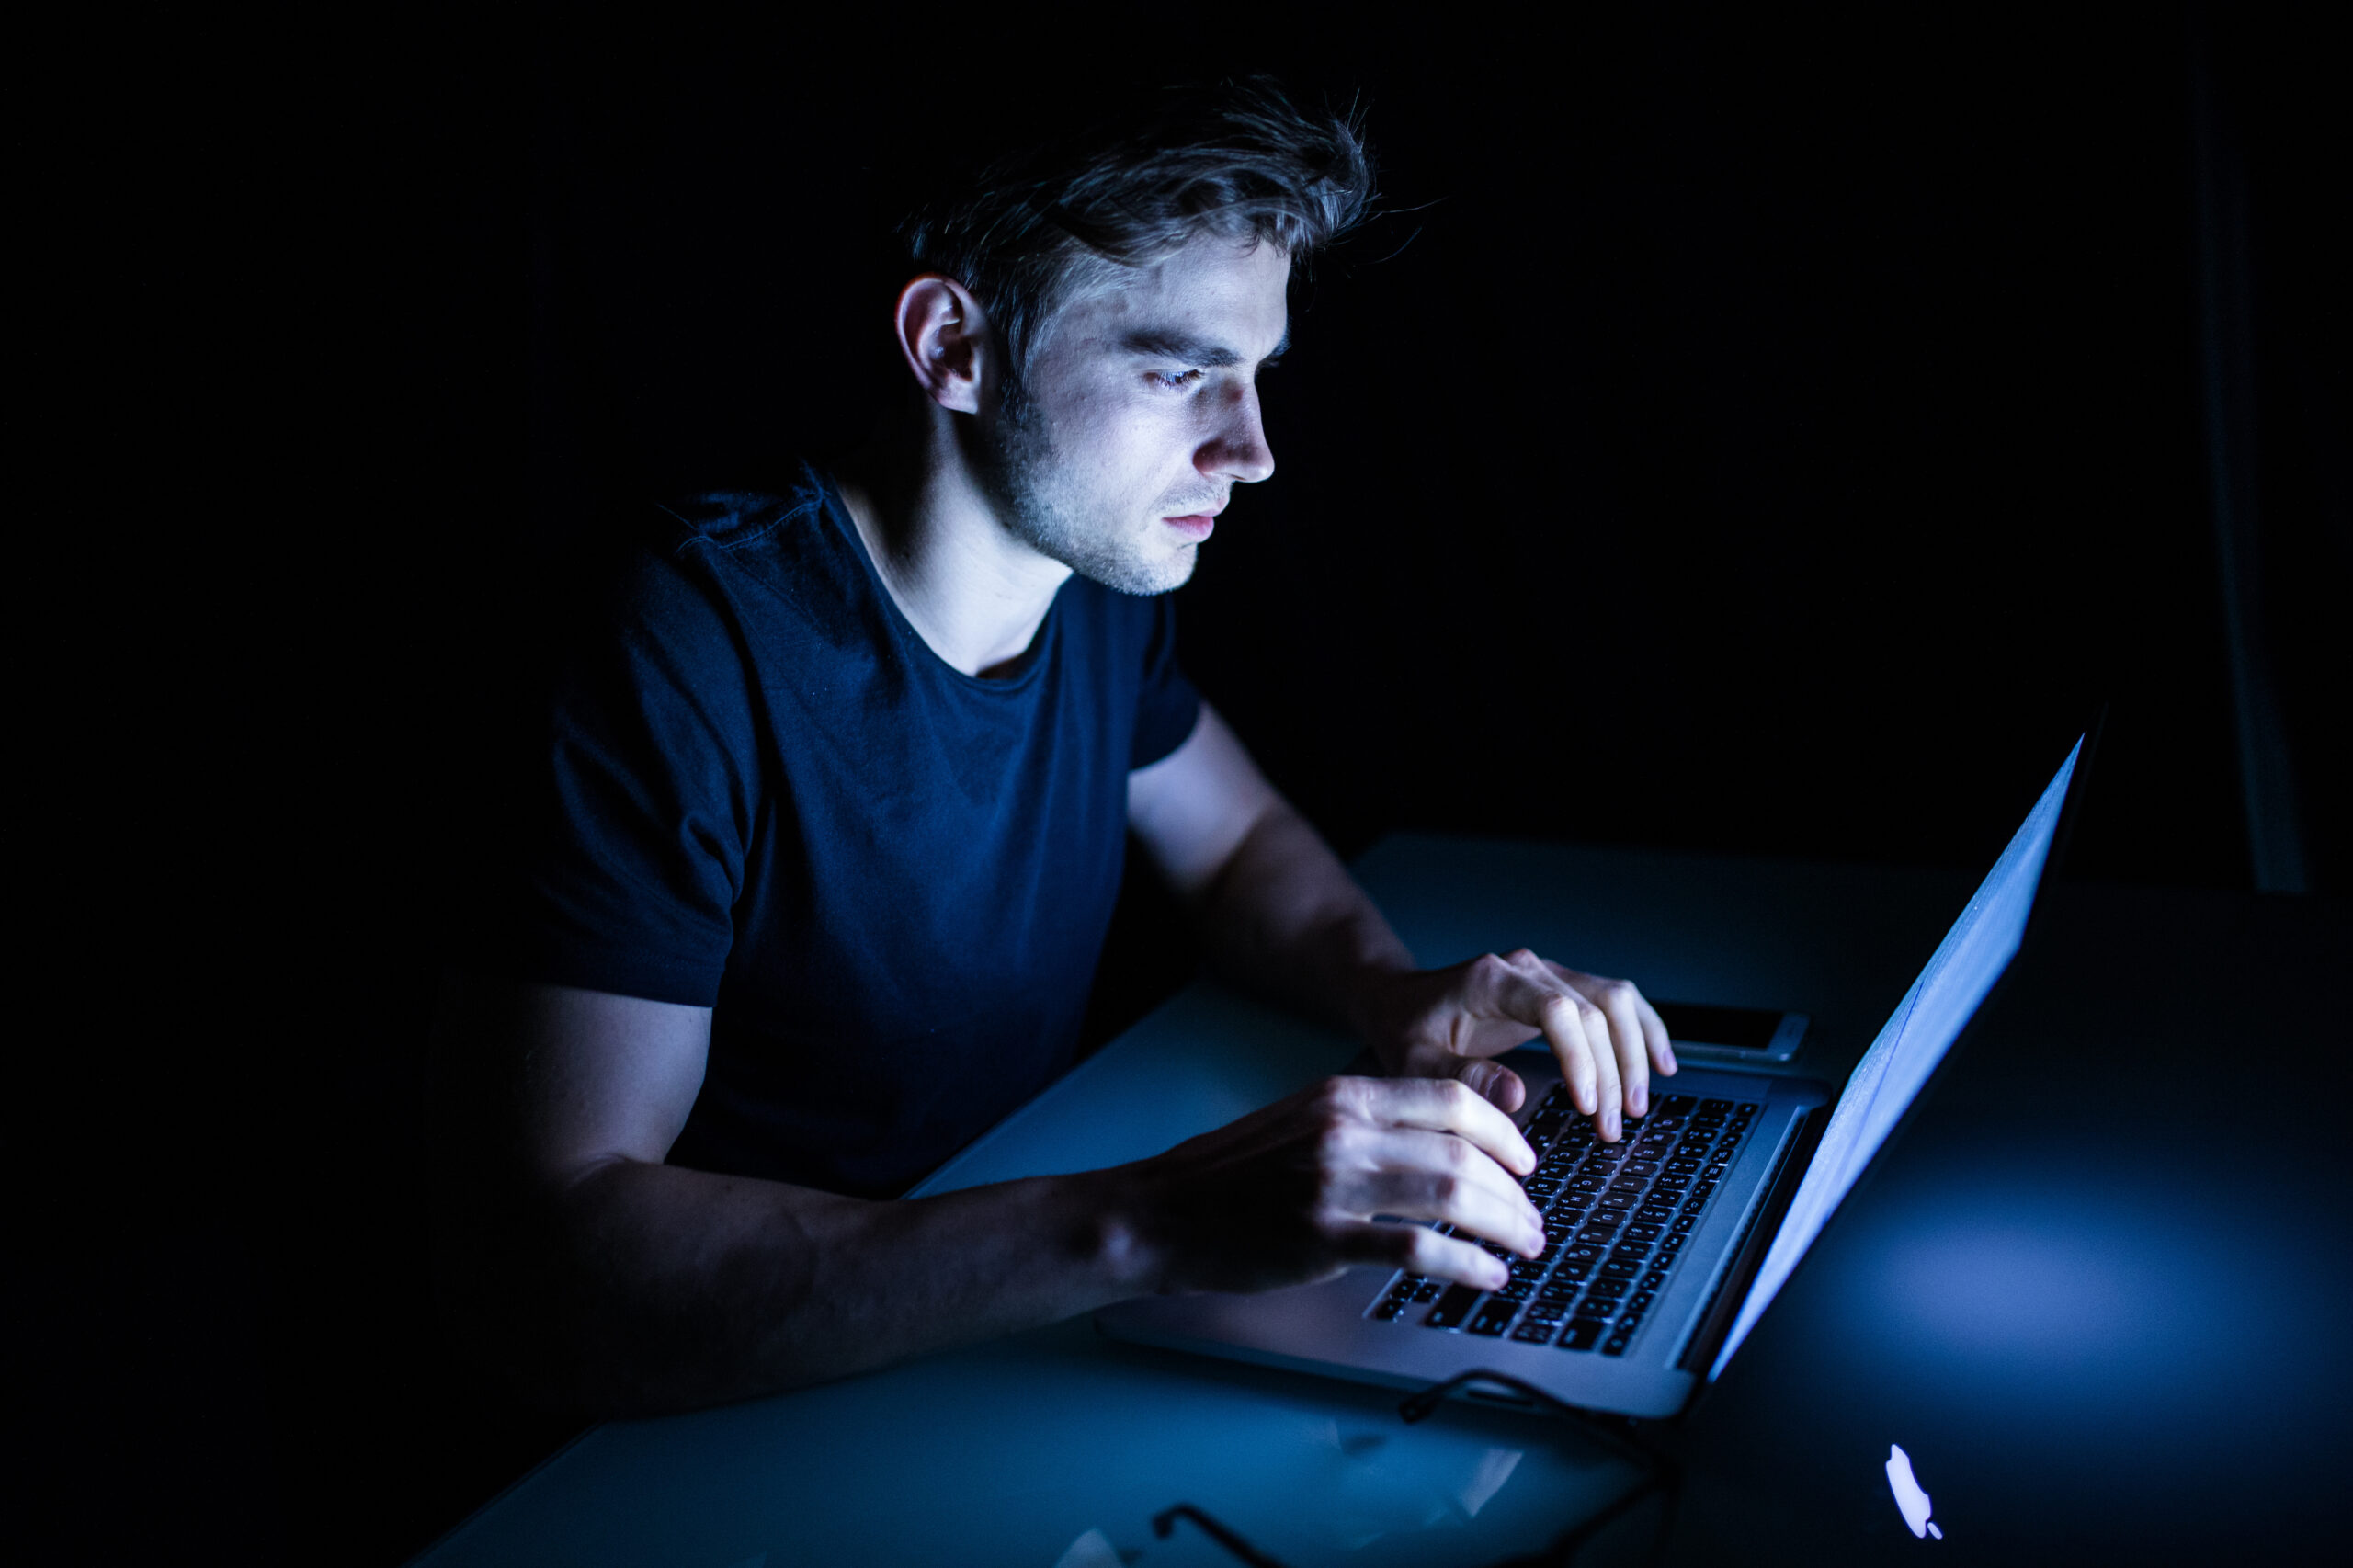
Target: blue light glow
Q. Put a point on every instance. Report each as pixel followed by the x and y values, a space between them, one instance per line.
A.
pixel 1930 1017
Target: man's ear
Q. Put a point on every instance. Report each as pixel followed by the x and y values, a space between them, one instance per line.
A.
pixel 945 340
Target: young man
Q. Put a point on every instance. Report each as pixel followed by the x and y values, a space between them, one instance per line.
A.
pixel 832 824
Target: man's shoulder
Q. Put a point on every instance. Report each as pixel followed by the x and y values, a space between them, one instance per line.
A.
pixel 740 524
pixel 748 556
pixel 734 521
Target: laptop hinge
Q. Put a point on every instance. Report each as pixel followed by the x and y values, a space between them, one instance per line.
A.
pixel 1748 1253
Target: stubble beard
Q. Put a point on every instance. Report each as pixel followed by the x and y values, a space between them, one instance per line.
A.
pixel 1019 469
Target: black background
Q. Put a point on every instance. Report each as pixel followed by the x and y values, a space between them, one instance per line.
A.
pixel 1739 432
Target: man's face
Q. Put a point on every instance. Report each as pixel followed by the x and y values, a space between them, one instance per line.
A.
pixel 1142 415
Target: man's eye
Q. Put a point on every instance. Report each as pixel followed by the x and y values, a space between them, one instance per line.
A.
pixel 1173 381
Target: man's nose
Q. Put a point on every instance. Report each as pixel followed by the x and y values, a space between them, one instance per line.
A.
pixel 1238 451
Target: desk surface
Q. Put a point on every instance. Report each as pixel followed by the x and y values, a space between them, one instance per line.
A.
pixel 1053 1448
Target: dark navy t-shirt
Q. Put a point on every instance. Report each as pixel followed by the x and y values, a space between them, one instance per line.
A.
pixel 764 793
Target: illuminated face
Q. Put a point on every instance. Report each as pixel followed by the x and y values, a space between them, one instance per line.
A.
pixel 1142 415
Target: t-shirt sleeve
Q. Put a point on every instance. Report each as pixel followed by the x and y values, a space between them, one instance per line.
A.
pixel 637 812
pixel 1167 705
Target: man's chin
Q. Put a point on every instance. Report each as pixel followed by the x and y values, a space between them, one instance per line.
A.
pixel 1144 579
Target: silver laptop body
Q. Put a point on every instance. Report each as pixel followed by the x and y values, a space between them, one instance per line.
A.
pixel 1798 1154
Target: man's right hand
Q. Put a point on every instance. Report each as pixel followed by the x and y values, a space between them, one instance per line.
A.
pixel 1286 1195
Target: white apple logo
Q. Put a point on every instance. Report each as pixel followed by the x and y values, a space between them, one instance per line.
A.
pixel 1908 1495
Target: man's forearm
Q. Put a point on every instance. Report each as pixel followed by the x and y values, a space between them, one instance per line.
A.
pixel 1284 918
pixel 657 1288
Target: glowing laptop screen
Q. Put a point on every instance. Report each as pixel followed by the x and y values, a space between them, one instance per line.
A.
pixel 1931 1016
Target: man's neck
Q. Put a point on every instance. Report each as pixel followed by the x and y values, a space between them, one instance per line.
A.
pixel 972 591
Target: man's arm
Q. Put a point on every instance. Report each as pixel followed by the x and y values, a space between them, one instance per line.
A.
pixel 1280 915
pixel 606 1280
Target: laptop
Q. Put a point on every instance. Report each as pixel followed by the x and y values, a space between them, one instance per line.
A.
pixel 1665 1248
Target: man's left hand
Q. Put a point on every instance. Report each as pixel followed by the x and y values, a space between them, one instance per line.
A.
pixel 1448 1023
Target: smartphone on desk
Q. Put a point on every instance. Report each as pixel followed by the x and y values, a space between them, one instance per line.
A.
pixel 1707 1033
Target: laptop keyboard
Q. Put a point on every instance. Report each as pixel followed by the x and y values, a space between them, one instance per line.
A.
pixel 1616 1218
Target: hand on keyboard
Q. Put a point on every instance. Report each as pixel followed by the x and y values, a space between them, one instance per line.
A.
pixel 1288 1194
pixel 1446 1022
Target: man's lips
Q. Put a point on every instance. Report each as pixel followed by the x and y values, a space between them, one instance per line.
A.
pixel 1195 526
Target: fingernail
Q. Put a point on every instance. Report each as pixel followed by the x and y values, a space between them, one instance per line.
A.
pixel 1642 1102
pixel 1497 1276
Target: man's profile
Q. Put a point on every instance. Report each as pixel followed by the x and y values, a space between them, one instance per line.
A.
pixel 830 821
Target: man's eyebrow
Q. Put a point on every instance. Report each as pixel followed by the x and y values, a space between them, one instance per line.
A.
pixel 1155 344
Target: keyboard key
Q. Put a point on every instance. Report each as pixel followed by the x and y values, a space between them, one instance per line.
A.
pixel 1636 1250
pixel 1452 1307
pixel 1560 1288
pixel 1654 1279
pixel 1714 1108
pixel 1616 1345
pixel 1495 1317
pixel 1545 1311
pixel 1642 1231
pixel 1388 1309
pixel 1657 1213
pixel 1671 1244
pixel 1619 1268
pixel 1581 1333
pixel 1429 1290
pixel 1518 1291
pixel 1677 1105
pixel 1683 1224
pixel 1534 1333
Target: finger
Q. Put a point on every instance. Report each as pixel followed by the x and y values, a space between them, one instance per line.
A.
pixel 1608 1090
pixel 1525 989
pixel 1449 1105
pixel 1616 999
pixel 1654 1035
pixel 1564 1032
pixel 1616 1044
pixel 1420 1250
pixel 1497 1084
pixel 1435 1175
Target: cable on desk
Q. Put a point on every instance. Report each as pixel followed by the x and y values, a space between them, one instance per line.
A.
pixel 1164 1522
pixel 1661 1471
pixel 1661 1474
